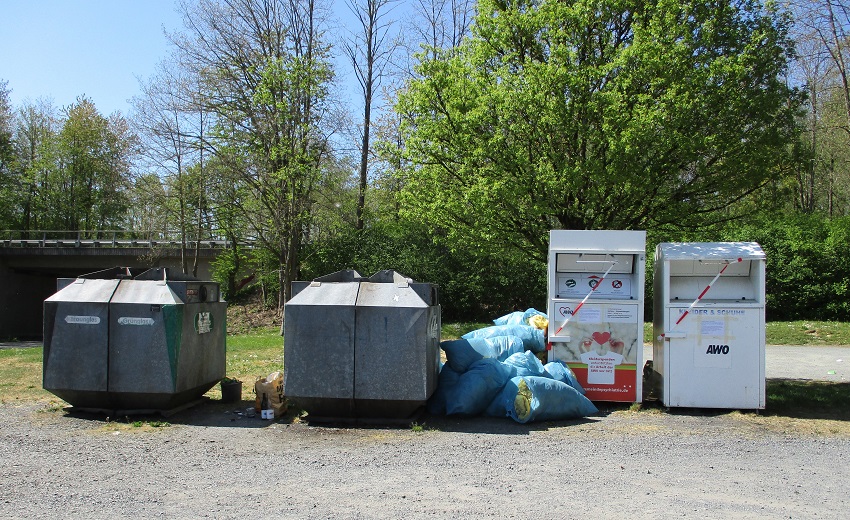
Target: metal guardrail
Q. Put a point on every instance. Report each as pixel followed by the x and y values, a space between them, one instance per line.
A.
pixel 103 239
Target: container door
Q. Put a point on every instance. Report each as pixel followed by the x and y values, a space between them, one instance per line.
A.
pixel 144 338
pixel 319 345
pixel 76 324
pixel 718 363
pixel 606 342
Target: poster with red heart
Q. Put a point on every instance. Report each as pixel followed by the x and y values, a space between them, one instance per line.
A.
pixel 603 350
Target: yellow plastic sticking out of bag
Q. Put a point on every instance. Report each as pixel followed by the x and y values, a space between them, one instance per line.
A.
pixel 522 401
pixel 538 322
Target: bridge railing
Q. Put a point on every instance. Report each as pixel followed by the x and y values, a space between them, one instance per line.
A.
pixel 104 238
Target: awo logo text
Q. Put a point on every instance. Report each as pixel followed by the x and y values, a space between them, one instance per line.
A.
pixel 717 349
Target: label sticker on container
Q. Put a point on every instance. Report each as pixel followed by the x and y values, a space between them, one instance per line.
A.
pixel 712 328
pixel 600 368
pixel 203 322
pixel 590 315
pixel 127 320
pixel 83 320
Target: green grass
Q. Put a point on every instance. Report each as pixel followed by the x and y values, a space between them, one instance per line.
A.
pixel 151 424
pixel 794 333
pixel 458 329
pixel 250 357
pixel 808 333
pixel 20 375
pixel 808 399
pixel 255 355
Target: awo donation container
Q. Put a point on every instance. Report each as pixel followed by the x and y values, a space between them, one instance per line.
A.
pixel 596 281
pixel 708 326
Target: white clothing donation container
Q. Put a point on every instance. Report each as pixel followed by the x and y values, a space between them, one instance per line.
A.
pixel 708 324
pixel 596 287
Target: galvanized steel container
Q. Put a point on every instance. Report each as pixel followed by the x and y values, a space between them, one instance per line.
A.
pixel 153 342
pixel 357 347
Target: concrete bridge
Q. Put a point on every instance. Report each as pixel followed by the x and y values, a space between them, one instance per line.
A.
pixel 30 266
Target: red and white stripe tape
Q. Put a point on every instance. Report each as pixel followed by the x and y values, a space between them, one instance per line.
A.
pixel 707 287
pixel 575 311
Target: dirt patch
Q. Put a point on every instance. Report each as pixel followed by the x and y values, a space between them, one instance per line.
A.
pixel 248 313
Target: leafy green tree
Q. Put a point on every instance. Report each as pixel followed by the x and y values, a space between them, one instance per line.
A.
pixel 808 264
pixel 473 284
pixel 173 124
pixel 592 114
pixel 264 71
pixel 93 171
pixel 6 157
pixel 36 172
pixel 6 117
pixel 821 30
pixel 148 211
pixel 831 159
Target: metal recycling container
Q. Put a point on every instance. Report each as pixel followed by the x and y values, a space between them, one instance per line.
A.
pixel 709 325
pixel 153 342
pixel 357 347
pixel 596 292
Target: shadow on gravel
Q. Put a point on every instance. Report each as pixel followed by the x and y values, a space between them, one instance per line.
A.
pixel 807 399
pixel 494 425
pixel 212 412
pixel 791 398
pixel 216 414
pixel 204 412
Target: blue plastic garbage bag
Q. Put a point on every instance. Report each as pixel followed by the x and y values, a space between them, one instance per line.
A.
pixel 512 318
pixel 525 364
pixel 559 371
pixel 530 398
pixel 517 317
pixel 461 353
pixel 476 388
pixel 447 380
pixel 532 338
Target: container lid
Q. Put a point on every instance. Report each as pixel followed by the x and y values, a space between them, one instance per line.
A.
pixel 344 276
pixel 710 251
pixel 89 290
pixel 604 241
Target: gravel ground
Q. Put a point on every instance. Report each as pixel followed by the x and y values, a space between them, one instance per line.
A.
pixel 209 462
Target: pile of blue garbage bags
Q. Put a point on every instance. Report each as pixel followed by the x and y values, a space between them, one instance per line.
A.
pixel 495 371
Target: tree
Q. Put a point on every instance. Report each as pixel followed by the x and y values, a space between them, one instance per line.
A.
pixel 830 21
pixel 6 117
pixel 94 169
pixel 822 34
pixel 812 69
pixel 36 174
pixel 7 195
pixel 370 51
pixel 435 25
pixel 173 122
pixel 588 115
pixel 264 71
pixel 831 158
pixel 440 24
pixel 148 209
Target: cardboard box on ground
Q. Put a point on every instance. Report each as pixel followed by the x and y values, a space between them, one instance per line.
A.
pixel 272 386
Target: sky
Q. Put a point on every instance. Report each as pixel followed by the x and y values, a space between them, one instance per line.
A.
pixel 63 49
